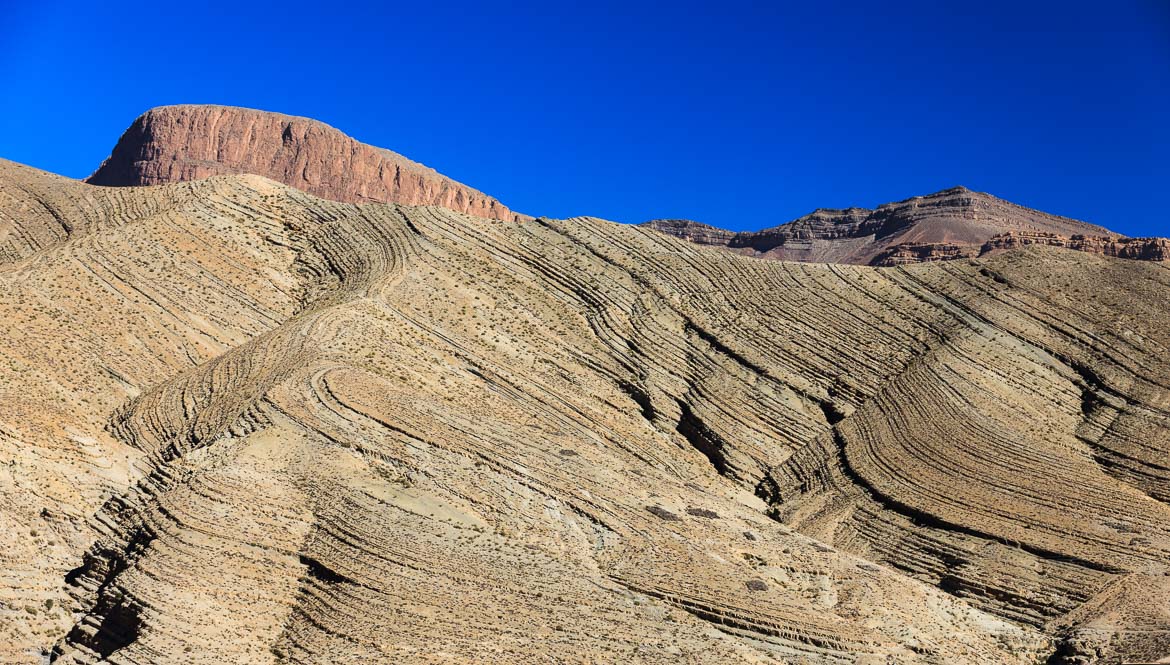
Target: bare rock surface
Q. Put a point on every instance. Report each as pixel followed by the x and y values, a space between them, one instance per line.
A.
pixel 179 143
pixel 246 424
pixel 702 234
pixel 1141 249
pixel 952 224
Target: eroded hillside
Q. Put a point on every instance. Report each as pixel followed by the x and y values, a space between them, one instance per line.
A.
pixel 244 424
pixel 956 223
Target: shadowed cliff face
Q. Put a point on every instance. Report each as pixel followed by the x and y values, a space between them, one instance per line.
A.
pixel 952 224
pixel 245 424
pixel 180 143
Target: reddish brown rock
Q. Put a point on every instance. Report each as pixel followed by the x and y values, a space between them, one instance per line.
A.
pixel 921 252
pixel 178 143
pixel 954 223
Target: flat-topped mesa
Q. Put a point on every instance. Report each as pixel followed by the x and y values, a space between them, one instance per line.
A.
pixel 178 143
pixel 950 224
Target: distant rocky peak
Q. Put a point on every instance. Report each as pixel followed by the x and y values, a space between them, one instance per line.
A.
pixel 949 224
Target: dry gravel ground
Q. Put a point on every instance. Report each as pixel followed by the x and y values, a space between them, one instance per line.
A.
pixel 243 424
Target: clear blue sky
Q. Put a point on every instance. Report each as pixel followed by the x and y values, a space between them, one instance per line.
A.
pixel 742 115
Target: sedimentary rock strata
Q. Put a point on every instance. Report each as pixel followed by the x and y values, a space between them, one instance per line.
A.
pixel 951 224
pixel 1137 249
pixel 1141 249
pixel 921 252
pixel 180 143
pixel 695 232
pixel 246 424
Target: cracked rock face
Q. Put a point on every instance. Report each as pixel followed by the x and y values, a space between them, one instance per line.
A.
pixel 246 424
pixel 181 143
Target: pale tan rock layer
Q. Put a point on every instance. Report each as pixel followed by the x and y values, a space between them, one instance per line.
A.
pixel 180 143
pixel 245 424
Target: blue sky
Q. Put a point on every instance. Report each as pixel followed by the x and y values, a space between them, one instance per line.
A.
pixel 742 115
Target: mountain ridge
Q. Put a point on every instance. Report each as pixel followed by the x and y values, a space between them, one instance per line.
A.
pixel 190 141
pixel 949 224
pixel 245 423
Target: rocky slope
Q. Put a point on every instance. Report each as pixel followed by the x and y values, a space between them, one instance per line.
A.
pixel 696 232
pixel 180 143
pixel 1141 249
pixel 951 224
pixel 246 424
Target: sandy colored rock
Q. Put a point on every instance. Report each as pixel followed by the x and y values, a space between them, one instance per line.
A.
pixel 246 424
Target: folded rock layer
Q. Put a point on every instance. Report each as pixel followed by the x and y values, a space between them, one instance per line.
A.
pixel 246 424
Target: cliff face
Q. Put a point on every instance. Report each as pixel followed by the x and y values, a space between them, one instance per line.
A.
pixel 702 234
pixel 1143 249
pixel 180 143
pixel 1138 249
pixel 921 252
pixel 951 224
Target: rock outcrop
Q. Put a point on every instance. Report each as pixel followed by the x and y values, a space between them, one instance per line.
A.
pixel 1141 249
pixel 179 143
pixel 951 224
pixel 921 252
pixel 1137 249
pixel 702 234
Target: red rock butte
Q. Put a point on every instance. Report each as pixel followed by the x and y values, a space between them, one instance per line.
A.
pixel 180 143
